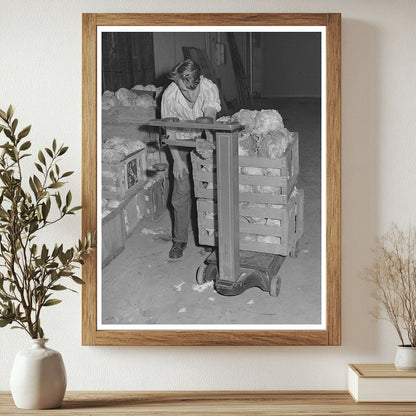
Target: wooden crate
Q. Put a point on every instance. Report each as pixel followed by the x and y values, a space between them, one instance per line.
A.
pixel 120 224
pixel 284 225
pixel 285 169
pixel 135 114
pixel 124 178
pixel 156 198
pixel 134 210
pixel 113 236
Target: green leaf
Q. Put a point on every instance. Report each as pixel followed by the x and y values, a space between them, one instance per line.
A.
pixel 33 187
pixel 45 211
pixel 4 298
pixel 68 198
pixel 40 332
pixel 49 152
pixel 55 251
pixel 59 287
pixel 10 112
pixel 41 157
pixel 54 145
pixel 63 150
pixel 24 132
pixel 77 208
pixel 14 125
pixel 37 182
pixel 8 133
pixel 44 253
pixel 3 115
pixel 51 302
pixel 58 199
pixel 66 274
pixel 78 280
pixel 39 167
pixel 25 145
pixel 5 321
pixel 56 185
pixel 34 249
pixel 67 174
pixel 62 257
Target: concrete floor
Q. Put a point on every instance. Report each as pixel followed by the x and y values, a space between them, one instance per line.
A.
pixel 142 286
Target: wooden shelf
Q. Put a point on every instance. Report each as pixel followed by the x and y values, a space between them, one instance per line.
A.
pixel 219 403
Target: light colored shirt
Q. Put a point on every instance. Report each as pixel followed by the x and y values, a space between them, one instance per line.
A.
pixel 174 104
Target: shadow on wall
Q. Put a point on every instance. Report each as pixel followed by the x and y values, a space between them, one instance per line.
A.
pixel 360 179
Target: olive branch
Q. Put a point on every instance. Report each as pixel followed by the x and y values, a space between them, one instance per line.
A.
pixel 31 273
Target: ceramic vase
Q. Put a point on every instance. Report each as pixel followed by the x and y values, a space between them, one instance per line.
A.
pixel 405 358
pixel 38 377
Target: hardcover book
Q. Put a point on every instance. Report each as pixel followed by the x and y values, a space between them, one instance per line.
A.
pixel 381 383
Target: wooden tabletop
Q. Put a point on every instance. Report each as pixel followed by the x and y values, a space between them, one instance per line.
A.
pixel 212 403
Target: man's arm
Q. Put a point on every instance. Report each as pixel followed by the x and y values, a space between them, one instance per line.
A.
pixel 210 112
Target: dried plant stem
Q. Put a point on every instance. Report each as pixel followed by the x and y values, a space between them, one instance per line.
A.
pixel 393 276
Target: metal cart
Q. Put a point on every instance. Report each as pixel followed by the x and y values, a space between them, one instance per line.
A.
pixel 232 270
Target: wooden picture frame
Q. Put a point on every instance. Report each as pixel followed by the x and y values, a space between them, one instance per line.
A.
pixel 331 334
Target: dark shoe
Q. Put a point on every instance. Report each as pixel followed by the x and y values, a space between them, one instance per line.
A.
pixel 177 249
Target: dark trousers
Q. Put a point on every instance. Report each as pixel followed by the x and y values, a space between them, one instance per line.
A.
pixel 181 202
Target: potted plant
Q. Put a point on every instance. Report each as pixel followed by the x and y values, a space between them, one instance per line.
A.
pixel 31 273
pixel 393 277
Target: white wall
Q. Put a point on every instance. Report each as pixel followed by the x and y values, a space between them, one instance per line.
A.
pixel 41 75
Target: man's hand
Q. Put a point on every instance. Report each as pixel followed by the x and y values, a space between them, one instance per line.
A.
pixel 179 169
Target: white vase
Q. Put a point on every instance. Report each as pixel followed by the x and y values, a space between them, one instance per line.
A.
pixel 405 358
pixel 38 377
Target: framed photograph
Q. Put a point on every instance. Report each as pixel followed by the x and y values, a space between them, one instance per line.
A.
pixel 211 172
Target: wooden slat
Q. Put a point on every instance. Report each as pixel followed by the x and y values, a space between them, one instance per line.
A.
pixel 214 19
pixel 89 173
pixel 211 403
pixel 275 213
pixel 192 124
pixel 333 179
pixel 211 338
pixel 228 206
pixel 381 371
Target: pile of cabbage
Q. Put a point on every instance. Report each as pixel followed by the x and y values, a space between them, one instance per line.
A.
pixel 114 151
pixel 264 133
pixel 264 136
pixel 117 149
pixel 134 98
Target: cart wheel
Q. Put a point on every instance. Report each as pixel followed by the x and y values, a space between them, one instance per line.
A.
pixel 295 251
pixel 206 273
pixel 275 284
pixel 200 274
pixel 211 273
